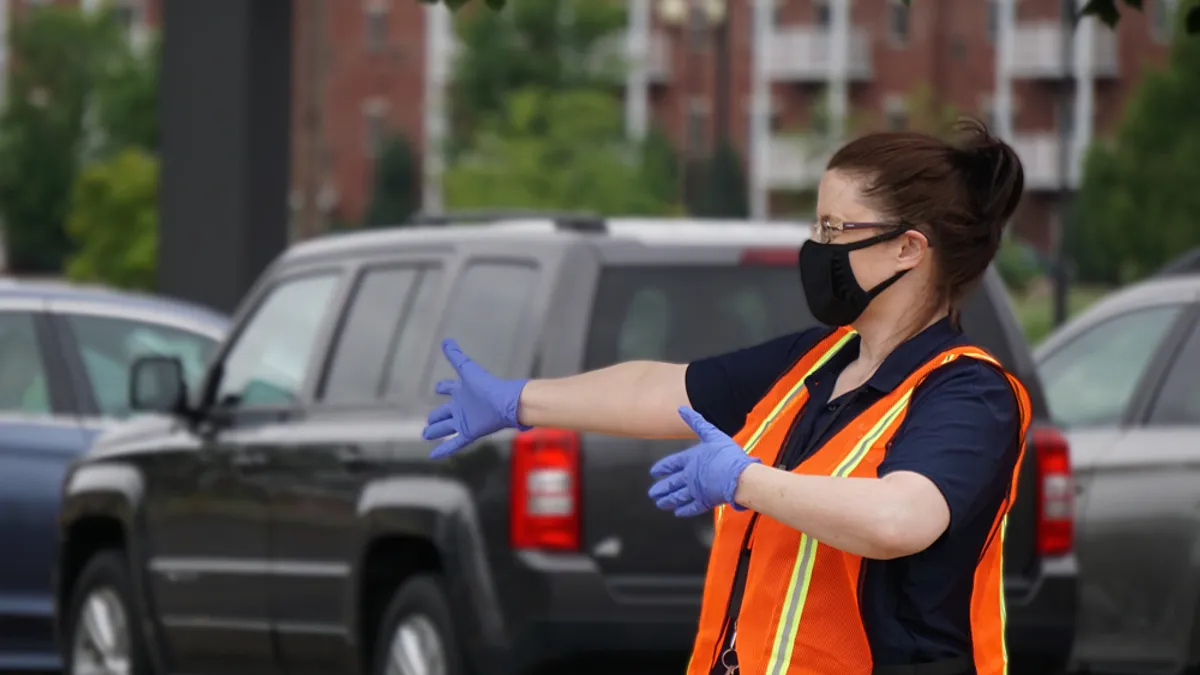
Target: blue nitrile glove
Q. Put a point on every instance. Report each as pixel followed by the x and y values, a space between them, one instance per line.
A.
pixel 703 476
pixel 480 404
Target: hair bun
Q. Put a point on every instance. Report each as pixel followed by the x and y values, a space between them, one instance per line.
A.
pixel 994 175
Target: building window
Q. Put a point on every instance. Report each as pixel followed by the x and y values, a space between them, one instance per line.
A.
pixel 993 19
pixel 898 22
pixel 375 18
pixel 822 15
pixel 697 128
pixel 775 114
pixel 1161 19
pixel 375 125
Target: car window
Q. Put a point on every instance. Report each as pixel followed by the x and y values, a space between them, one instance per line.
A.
pixel 486 313
pixel 376 312
pixel 108 347
pixel 1090 381
pixel 1179 400
pixel 408 357
pixel 682 313
pixel 24 386
pixel 273 353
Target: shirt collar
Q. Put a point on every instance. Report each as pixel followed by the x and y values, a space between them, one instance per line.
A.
pixel 903 360
pixel 910 354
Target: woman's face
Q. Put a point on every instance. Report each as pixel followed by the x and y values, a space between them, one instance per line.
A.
pixel 839 199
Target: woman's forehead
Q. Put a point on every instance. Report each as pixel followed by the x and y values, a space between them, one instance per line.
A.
pixel 839 198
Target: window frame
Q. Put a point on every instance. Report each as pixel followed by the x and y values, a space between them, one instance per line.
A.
pixel 895 39
pixel 422 265
pixel 530 329
pixel 1188 328
pixel 60 387
pixel 1137 409
pixel 70 347
pixel 204 399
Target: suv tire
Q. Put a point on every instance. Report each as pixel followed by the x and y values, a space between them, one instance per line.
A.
pixel 417 625
pixel 101 633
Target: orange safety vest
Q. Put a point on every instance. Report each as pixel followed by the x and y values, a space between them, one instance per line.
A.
pixel 800 613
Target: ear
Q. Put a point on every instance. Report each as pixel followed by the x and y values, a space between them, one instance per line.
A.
pixel 914 246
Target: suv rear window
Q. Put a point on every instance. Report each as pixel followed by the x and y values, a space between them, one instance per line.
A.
pixel 683 313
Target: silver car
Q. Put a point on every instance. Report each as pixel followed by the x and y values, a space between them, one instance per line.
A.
pixel 1123 381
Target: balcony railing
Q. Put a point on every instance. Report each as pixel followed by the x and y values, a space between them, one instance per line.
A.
pixel 794 163
pixel 1037 51
pixel 804 53
pixel 1039 153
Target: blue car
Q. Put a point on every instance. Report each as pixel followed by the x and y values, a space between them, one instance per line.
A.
pixel 65 355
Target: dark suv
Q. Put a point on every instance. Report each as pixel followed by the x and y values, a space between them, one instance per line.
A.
pixel 287 519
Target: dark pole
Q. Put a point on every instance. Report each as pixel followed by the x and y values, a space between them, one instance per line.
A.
pixel 1066 103
pixel 225 103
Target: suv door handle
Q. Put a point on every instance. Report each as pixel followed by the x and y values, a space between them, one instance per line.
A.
pixel 248 459
pixel 351 457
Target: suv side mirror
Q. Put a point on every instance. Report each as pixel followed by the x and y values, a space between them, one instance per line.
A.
pixel 156 384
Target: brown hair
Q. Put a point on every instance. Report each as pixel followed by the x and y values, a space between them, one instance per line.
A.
pixel 959 195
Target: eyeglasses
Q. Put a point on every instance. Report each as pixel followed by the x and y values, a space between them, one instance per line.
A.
pixel 825 229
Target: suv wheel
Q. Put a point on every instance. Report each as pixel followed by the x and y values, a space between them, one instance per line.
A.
pixel 416 636
pixel 101 639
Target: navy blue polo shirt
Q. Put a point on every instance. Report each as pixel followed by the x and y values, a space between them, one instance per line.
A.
pixel 961 432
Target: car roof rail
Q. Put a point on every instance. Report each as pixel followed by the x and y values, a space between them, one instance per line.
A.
pixel 569 221
pixel 1188 263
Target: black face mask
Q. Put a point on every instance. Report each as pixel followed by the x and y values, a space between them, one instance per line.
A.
pixel 834 294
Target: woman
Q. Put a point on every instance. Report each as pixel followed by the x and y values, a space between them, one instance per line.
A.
pixel 861 473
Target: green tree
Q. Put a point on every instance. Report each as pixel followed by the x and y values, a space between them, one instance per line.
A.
pixel 396 192
pixel 554 150
pixel 660 163
pixel 57 54
pixel 543 44
pixel 1138 205
pixel 126 98
pixel 725 194
pixel 114 221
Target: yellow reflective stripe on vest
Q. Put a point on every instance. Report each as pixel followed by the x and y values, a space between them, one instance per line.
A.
pixel 797 593
pixel 779 408
pixel 1003 604
pixel 782 405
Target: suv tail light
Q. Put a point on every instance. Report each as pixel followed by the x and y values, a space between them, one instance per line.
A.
pixel 544 512
pixel 1056 493
pixel 771 256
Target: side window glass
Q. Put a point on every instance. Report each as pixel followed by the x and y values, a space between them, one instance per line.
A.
pixel 1090 381
pixel 268 363
pixel 1179 401
pixel 486 314
pixel 24 386
pixel 376 312
pixel 108 347
pixel 408 356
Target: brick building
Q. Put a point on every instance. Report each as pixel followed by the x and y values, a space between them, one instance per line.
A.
pixel 367 68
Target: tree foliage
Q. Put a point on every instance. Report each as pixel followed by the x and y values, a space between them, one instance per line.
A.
pixel 555 150
pixel 396 192
pixel 57 56
pixel 544 44
pixel 1138 206
pixel 114 221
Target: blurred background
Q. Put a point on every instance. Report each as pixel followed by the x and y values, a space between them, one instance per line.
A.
pixel 658 107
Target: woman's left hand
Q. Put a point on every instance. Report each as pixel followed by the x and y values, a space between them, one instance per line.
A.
pixel 703 476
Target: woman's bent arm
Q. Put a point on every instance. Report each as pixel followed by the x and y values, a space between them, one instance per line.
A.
pixel 637 398
pixel 882 518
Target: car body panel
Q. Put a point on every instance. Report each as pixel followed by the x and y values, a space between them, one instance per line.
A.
pixel 1138 506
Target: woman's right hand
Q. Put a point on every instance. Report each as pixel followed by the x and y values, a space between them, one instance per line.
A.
pixel 480 404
